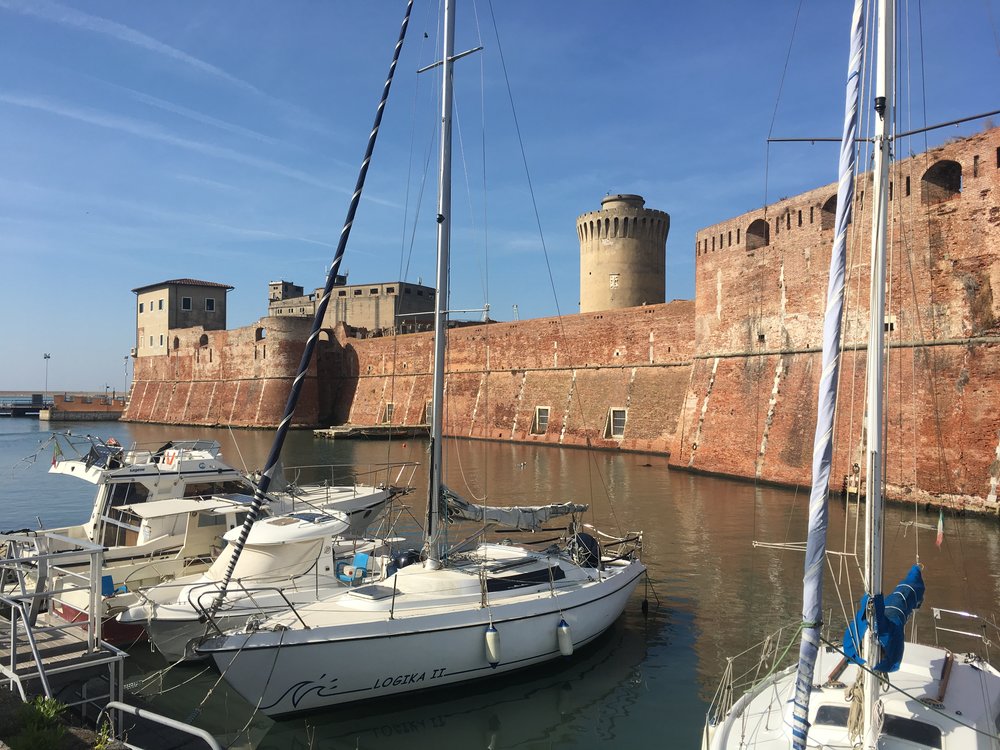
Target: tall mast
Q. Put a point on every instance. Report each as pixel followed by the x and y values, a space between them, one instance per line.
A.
pixel 441 297
pixel 876 361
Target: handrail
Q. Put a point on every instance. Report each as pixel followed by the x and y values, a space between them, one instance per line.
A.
pixel 164 720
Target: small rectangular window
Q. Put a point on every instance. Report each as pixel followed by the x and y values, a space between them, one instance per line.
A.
pixel 141 307
pixel 373 290
pixel 161 339
pixel 420 292
pixel 150 340
pixel 406 290
pixel 800 218
pixel 357 292
pixel 185 303
pixel 159 305
pixel 390 290
pixel 975 166
pixel 387 412
pixel 907 185
pixel 615 426
pixel 729 239
pixel 342 293
pixel 541 422
pixel 209 304
pixel 614 280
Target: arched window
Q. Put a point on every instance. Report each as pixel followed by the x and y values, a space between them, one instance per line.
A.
pixel 758 234
pixel 941 182
pixel 828 213
pixel 203 341
pixel 260 334
pixel 177 343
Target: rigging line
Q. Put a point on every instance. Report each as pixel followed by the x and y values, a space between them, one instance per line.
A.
pixel 260 491
pixel 524 161
pixel 777 99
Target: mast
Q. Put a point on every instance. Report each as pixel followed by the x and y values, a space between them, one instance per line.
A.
pixel 876 361
pixel 441 296
pixel 812 579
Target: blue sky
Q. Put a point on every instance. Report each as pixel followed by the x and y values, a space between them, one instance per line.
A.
pixel 221 141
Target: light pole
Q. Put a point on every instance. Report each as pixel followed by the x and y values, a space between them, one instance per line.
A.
pixel 46 357
pixel 125 389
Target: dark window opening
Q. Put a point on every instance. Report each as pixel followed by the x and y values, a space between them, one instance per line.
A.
pixel 828 213
pixel 941 182
pixel 758 234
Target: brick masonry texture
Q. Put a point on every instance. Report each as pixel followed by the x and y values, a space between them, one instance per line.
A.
pixel 725 383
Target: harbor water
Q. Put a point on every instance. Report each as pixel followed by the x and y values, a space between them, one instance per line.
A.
pixel 712 593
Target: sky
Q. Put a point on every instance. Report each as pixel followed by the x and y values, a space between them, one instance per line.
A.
pixel 221 141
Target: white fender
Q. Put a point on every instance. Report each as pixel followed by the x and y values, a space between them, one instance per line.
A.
pixel 565 638
pixel 492 646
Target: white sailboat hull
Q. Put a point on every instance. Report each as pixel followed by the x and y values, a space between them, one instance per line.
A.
pixel 296 670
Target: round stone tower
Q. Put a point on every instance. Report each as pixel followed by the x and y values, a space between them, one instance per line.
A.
pixel 622 254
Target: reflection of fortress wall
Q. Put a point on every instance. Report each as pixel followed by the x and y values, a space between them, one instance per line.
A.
pixel 239 377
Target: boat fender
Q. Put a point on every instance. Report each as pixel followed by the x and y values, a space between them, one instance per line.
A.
pixel 565 638
pixel 492 646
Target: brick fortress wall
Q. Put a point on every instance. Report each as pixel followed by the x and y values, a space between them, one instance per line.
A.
pixel 759 328
pixel 725 383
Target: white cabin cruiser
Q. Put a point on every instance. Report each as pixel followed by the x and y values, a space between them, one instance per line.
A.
pixel 161 514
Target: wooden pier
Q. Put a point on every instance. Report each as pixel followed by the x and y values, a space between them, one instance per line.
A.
pixel 373 432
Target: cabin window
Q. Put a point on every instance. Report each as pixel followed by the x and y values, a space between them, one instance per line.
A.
pixel 541 422
pixel 615 426
pixel 185 303
pixel 128 493
pixel 209 304
pixel 205 489
pixel 210 519
pixel 387 412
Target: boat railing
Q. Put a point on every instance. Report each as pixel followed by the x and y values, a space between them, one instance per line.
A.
pixel 752 666
pixel 209 613
pixel 389 474
pixel 966 625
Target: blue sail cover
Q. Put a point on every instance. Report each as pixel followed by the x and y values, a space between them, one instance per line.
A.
pixel 890 621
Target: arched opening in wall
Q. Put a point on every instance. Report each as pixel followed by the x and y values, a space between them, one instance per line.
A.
pixel 828 213
pixel 177 343
pixel 203 341
pixel 941 182
pixel 758 234
pixel 325 334
pixel 260 334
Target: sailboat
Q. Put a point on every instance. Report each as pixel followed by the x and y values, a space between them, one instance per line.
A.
pixel 458 614
pixel 875 691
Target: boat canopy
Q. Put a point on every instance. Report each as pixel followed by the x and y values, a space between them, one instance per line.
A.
pixel 291 528
pixel 523 517
pixel 891 615
pixel 219 504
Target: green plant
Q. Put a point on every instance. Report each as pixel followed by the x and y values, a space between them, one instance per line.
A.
pixel 104 736
pixel 48 709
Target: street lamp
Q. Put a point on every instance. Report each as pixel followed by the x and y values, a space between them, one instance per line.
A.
pixel 125 389
pixel 46 357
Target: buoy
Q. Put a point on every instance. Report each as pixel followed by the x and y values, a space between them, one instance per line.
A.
pixel 492 646
pixel 565 638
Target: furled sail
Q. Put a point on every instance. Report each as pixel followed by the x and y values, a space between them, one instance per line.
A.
pixel 891 615
pixel 812 581
pixel 523 517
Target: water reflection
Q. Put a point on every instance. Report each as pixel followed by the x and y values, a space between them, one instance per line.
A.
pixel 718 594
